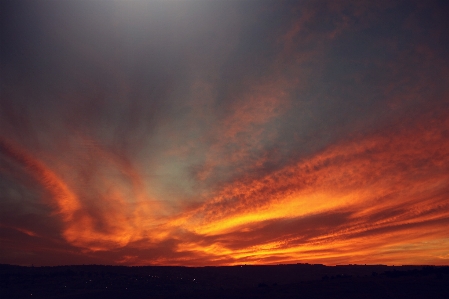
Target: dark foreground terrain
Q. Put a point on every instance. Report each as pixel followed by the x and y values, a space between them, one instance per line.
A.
pixel 282 281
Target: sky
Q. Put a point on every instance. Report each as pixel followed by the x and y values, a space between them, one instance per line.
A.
pixel 214 133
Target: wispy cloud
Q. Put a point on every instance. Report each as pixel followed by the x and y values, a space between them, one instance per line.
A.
pixel 208 133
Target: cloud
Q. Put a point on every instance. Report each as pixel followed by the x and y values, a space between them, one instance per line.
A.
pixel 210 133
pixel 387 182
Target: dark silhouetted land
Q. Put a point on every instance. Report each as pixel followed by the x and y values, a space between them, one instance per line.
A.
pixel 281 281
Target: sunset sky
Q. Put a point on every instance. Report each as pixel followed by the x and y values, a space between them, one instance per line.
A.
pixel 224 132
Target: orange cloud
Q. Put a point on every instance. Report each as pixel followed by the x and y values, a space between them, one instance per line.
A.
pixel 65 200
pixel 378 198
pixel 392 187
pixel 113 225
pixel 263 152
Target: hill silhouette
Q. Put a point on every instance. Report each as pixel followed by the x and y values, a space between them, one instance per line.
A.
pixel 280 281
